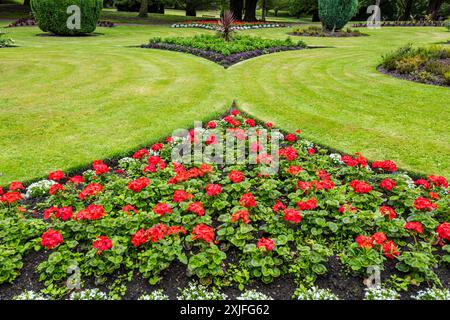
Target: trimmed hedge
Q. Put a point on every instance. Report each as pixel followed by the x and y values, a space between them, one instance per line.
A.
pixel 335 14
pixel 52 15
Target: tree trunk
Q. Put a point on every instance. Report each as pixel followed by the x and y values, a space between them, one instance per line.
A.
pixel 143 11
pixel 236 7
pixel 276 12
pixel 408 10
pixel 433 7
pixel 26 3
pixel 264 10
pixel 250 10
pixel 191 10
pixel 316 17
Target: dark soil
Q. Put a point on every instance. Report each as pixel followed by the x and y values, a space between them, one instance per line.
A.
pixel 436 81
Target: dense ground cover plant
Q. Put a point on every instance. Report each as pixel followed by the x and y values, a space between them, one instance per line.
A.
pixel 226 53
pixel 52 16
pixel 427 65
pixel 146 212
pixel 314 31
pixel 237 25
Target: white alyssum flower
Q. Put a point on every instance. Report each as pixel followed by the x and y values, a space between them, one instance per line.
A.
pixel 433 294
pixel 315 293
pixel 39 188
pixel 31 295
pixel 380 293
pixel 196 291
pixel 336 158
pixel 253 295
pixel 89 294
pixel 155 295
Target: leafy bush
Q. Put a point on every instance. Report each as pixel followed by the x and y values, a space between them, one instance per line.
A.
pixel 335 14
pixel 52 16
pixel 408 64
pixel 447 77
pixel 5 42
pixel 447 24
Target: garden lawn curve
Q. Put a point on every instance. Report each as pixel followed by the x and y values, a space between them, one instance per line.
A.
pixel 67 101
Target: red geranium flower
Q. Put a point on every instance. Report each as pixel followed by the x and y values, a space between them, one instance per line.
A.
pixel 387 210
pixel 211 140
pixel 1 190
pixel 311 151
pixel 139 184
pixel 16 185
pixel 267 244
pixel 181 195
pixel 247 200
pixel 292 215
pixel 157 232
pixel 278 206
pixel 294 170
pixel 379 237
pixel 127 208
pixel 388 184
pixel 360 186
pixel 443 231
pixel 236 176
pixel 422 182
pixel 76 179
pixel 240 215
pixel 139 238
pixel 424 204
pixel 213 189
pixel 211 125
pixel 288 153
pixel 64 213
pixel 141 153
pixel 387 165
pixel 290 137
pixel 307 205
pixel 433 195
pixel 390 250
pixel 11 197
pixel 100 167
pixel 56 175
pixel 55 188
pixel 347 207
pixel 162 208
pixel 51 239
pixel 204 232
pixel 197 208
pixel 102 243
pixel 92 212
pixel 438 181
pixel 414 226
pixel 364 241
pixel 175 230
pixel 91 190
pixel 250 122
pixel 157 146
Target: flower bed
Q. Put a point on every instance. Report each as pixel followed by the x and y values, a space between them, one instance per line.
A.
pixel 426 65
pixel 29 22
pixel 237 25
pixel 319 32
pixel 404 24
pixel 321 217
pixel 222 52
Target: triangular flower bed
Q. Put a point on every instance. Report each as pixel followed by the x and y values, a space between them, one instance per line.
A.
pixel 231 224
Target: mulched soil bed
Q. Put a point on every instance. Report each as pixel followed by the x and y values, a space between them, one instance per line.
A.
pixel 438 81
pixel 223 60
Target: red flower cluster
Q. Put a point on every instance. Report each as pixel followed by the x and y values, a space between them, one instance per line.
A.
pixel 389 248
pixel 289 153
pixel 55 188
pixel 438 181
pixel 307 205
pixel 290 137
pixel 267 244
pixel 386 166
pixel 162 208
pixel 91 190
pixel 139 184
pixel 129 208
pixel 181 195
pixel 360 186
pixel 183 175
pixel 51 239
pixel 100 167
pixel 354 161
pixel 388 184
pixel 294 170
pixel 278 206
pixel 92 212
pixel 197 208
pixel 422 182
pixel 102 243
pixel 236 176
pixel 292 215
pixel 64 213
pixel 204 232
pixel 443 231
pixel 424 204
pixel 247 200
pixel 56 175
pixel 155 163
pixel 414 226
pixel 157 147
pixel 388 211
pixel 154 234
pixel 141 153
pixel 16 186
pixel 240 215
pixel 213 189
pixel 76 179
pixel 11 197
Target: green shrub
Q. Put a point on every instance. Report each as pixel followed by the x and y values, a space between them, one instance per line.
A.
pixel 447 24
pixel 5 42
pixel 335 14
pixel 52 15
pixel 408 64
pixel 447 77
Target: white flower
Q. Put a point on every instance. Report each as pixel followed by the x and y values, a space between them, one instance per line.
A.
pixel 196 291
pixel 433 294
pixel 39 189
pixel 89 294
pixel 30 295
pixel 253 295
pixel 155 295
pixel 315 293
pixel 379 293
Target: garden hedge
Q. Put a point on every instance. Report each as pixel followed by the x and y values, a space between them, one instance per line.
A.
pixel 52 15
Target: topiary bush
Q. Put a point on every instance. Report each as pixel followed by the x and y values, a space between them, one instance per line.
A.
pixel 52 15
pixel 335 14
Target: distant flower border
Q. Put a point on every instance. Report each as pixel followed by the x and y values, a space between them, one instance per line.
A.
pixel 240 25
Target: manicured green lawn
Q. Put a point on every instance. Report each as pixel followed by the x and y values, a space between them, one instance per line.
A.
pixel 67 101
